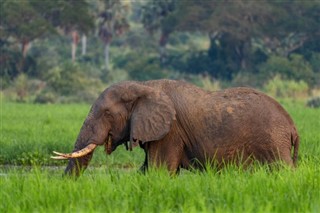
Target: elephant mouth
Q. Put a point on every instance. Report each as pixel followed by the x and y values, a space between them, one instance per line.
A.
pixel 108 145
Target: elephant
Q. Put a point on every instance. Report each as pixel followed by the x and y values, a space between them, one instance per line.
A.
pixel 179 125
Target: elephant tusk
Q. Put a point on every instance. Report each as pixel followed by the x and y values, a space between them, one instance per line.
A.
pixel 58 157
pixel 77 154
pixel 59 153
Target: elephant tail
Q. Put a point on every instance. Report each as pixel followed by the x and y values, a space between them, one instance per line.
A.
pixel 295 141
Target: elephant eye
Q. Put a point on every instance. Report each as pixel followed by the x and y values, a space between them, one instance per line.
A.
pixel 107 112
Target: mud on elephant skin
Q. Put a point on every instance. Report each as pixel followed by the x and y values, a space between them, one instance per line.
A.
pixel 182 126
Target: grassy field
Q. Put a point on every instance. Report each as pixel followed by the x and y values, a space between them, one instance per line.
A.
pixel 29 133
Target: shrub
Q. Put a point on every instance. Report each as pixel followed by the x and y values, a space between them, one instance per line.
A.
pixel 280 88
pixel 141 66
pixel 21 87
pixel 117 75
pixel 314 102
pixel 293 68
pixel 46 96
pixel 209 84
pixel 74 83
pixel 247 79
pixel 24 89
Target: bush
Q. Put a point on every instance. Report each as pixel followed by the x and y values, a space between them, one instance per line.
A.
pixel 116 75
pixel 141 66
pixel 314 102
pixel 24 89
pixel 293 68
pixel 246 79
pixel 279 88
pixel 209 84
pixel 46 96
pixel 74 83
pixel 21 85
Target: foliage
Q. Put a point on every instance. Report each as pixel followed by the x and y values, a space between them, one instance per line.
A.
pixel 294 67
pixel 26 20
pixel 141 66
pixel 232 28
pixel 21 86
pixel 111 16
pixel 154 12
pixel 9 68
pixel 24 89
pixel 247 79
pixel 210 85
pixel 280 88
pixel 17 12
pixel 74 80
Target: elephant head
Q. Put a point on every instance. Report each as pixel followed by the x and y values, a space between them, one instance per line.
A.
pixel 125 112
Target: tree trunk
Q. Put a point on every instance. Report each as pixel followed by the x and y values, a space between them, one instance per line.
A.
pixel 106 55
pixel 162 47
pixel 73 51
pixel 84 44
pixel 75 41
pixel 25 46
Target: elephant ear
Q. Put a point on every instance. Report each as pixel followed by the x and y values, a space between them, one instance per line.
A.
pixel 152 116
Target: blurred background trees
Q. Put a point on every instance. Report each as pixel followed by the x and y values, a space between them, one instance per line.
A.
pixel 234 43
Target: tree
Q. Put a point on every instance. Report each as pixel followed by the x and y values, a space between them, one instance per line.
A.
pixel 72 16
pixel 153 15
pixel 21 23
pixel 112 21
pixel 232 26
pixel 26 20
pixel 295 26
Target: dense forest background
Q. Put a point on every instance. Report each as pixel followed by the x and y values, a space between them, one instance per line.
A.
pixel 70 50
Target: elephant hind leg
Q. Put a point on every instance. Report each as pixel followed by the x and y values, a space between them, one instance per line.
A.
pixel 285 157
pixel 274 156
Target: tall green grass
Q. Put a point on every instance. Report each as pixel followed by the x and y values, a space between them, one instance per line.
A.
pixel 115 190
pixel 30 132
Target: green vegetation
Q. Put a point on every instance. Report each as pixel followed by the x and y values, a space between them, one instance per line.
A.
pixel 111 190
pixel 30 132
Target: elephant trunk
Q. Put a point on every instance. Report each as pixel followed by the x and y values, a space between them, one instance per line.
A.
pixel 77 165
pixel 92 133
pixel 83 150
pixel 78 159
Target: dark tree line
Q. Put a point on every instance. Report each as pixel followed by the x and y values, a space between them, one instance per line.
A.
pixel 136 39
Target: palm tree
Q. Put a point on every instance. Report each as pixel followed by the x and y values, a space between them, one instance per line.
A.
pixel 112 21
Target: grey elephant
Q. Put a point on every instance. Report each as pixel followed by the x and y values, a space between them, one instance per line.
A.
pixel 179 125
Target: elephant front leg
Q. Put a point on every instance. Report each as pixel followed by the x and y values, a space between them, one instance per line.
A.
pixel 144 166
pixel 164 154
